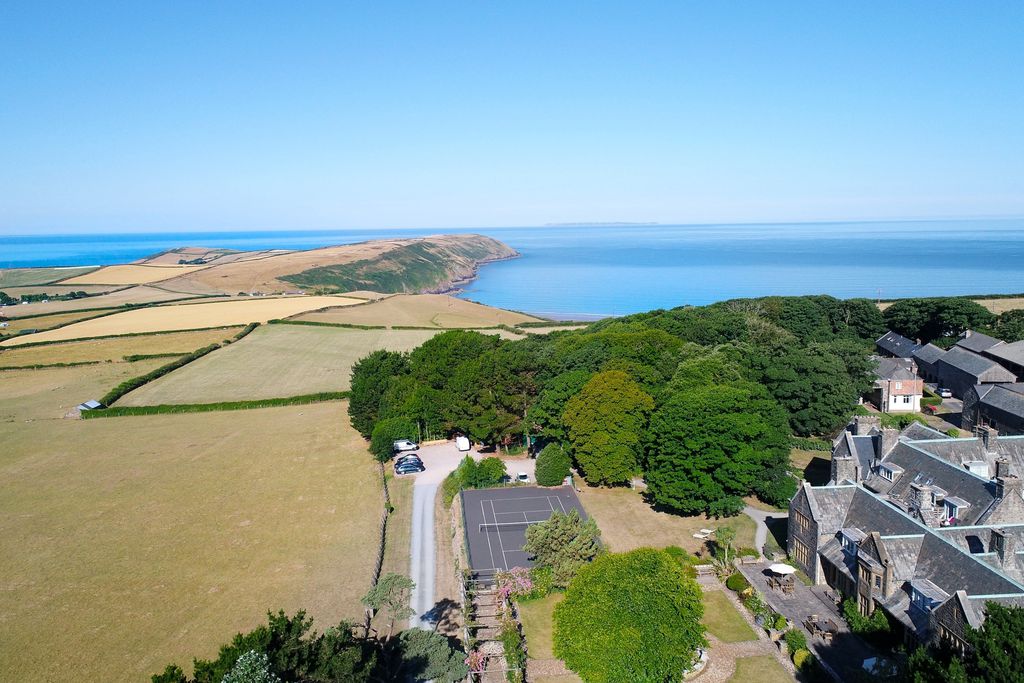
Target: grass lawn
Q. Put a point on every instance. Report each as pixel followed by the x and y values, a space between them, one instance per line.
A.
pixel 723 621
pixel 129 543
pixel 761 669
pixel 627 522
pixel 273 361
pixel 538 624
pixel 815 465
pixel 115 348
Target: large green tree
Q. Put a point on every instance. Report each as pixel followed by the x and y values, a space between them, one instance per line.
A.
pixel 711 446
pixel 371 378
pixel 932 319
pixel 630 617
pixel 552 465
pixel 606 423
pixel 565 542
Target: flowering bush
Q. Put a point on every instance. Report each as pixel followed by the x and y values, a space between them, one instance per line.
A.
pixel 514 583
pixel 476 661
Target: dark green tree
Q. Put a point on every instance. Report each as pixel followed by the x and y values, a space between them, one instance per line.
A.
pixel 552 465
pixel 630 617
pixel 606 423
pixel 371 377
pixel 545 414
pixel 998 646
pixel 392 594
pixel 386 432
pixel 429 656
pixel 564 542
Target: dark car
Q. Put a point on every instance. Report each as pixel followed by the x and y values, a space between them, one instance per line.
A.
pixel 409 467
pixel 411 457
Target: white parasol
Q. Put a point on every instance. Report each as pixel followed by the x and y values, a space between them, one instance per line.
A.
pixel 782 569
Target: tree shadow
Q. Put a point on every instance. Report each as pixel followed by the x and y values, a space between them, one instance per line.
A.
pixel 443 616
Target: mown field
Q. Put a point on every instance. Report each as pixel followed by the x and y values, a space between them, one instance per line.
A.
pixel 131 274
pixel 274 361
pixel 129 543
pixel 46 322
pixel 121 297
pixel 114 348
pixel 186 316
pixel 420 310
pixel 25 277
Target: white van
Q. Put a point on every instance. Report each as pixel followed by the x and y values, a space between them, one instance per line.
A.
pixel 462 443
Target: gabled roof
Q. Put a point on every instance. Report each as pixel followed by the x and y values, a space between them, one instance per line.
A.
pixel 972 363
pixel 1008 398
pixel 929 353
pixel 977 342
pixel 896 344
pixel 1011 353
pixel 894 369
pixel 829 506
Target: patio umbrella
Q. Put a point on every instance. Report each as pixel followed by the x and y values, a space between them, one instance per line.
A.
pixel 782 569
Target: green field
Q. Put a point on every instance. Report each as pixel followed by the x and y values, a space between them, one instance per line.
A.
pixel 26 277
pixel 723 621
pixel 764 669
pixel 274 361
pixel 129 543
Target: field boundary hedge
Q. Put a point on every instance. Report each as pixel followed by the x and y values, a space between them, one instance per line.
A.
pixel 136 382
pixel 41 366
pixel 163 409
pixel 114 336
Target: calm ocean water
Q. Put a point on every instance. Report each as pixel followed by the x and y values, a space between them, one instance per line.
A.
pixel 611 270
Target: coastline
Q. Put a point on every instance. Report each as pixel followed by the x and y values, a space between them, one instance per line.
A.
pixel 456 286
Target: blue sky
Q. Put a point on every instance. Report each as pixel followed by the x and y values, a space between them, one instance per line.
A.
pixel 220 115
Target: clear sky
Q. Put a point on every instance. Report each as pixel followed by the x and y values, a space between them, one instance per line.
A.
pixel 170 115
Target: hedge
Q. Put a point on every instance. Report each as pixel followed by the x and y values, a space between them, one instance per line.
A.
pixel 795 640
pixel 117 336
pixel 317 323
pixel 149 356
pixel 737 583
pixel 126 411
pixel 136 382
pixel 800 657
pixel 40 366
pixel 245 331
pixel 803 444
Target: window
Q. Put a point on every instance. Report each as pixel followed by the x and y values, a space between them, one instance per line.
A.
pixel 878 582
pixel 886 473
pixel 802 522
pixel 906 399
pixel 801 553
pixel 951 511
pixel 899 385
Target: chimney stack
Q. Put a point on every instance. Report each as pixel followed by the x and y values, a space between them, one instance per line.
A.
pixel 1003 545
pixel 890 437
pixel 921 497
pixel 1007 485
pixel 989 436
pixel 1002 468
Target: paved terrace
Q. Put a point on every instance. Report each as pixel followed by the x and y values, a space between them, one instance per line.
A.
pixel 846 653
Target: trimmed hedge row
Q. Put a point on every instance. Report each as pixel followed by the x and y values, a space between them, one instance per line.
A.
pixel 148 356
pixel 117 336
pixel 245 331
pixel 41 366
pixel 136 382
pixel 126 411
pixel 317 323
pixel 804 444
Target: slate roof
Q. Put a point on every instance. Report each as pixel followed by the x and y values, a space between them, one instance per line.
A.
pixel 969 362
pixel 1006 397
pixel 977 342
pixel 952 570
pixel 896 344
pixel 929 353
pixel 903 552
pixel 894 369
pixel 959 451
pixel 829 505
pixel 916 431
pixel 1011 353
pixel 870 513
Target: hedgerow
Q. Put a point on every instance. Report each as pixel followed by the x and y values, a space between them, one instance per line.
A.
pixel 136 382
pixel 126 411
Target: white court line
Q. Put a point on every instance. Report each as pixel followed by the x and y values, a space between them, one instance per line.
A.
pixel 490 550
pixel 559 499
pixel 499 540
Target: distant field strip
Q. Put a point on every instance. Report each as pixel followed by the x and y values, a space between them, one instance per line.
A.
pixel 25 277
pixel 122 297
pixel 47 322
pixel 131 275
pixel 114 348
pixel 420 310
pixel 185 317
pixel 274 361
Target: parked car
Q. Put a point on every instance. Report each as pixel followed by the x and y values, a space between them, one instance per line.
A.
pixel 462 443
pixel 409 467
pixel 523 478
pixel 945 393
pixel 405 445
pixel 409 457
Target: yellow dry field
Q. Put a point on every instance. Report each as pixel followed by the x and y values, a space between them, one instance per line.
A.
pixel 187 316
pixel 55 290
pixel 274 361
pixel 997 306
pixel 23 277
pixel 46 322
pixel 114 348
pixel 131 274
pixel 128 543
pixel 121 297
pixel 420 310
pixel 627 522
pixel 552 328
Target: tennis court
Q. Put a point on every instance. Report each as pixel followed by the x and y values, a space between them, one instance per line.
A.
pixel 496 521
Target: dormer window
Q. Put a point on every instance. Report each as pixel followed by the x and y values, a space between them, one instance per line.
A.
pixel 955 509
pixel 886 473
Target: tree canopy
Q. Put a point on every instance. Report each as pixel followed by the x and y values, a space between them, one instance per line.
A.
pixel 630 617
pixel 564 543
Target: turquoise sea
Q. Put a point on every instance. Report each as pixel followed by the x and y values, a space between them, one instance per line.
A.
pixel 581 271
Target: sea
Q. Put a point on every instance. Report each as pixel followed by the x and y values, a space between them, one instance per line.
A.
pixel 592 271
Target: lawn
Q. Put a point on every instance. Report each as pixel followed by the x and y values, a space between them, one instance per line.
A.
pixel 129 543
pixel 187 317
pixel 420 310
pixel 762 669
pixel 26 277
pixel 538 624
pixel 114 348
pixel 274 361
pixel 816 466
pixel 723 621
pixel 627 522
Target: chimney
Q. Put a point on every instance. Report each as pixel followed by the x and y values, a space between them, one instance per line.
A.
pixel 989 436
pixel 889 439
pixel 1002 468
pixel 968 333
pixel 1003 545
pixel 921 497
pixel 845 469
pixel 862 424
pixel 1007 485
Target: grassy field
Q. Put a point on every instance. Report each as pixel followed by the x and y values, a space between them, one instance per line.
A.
pixel 419 310
pixel 46 322
pixel 723 621
pixel 131 274
pixel 763 669
pixel 122 297
pixel 25 277
pixel 815 466
pixel 538 624
pixel 997 306
pixel 274 361
pixel 627 522
pixel 186 316
pixel 115 348
pixel 129 543
pixel 55 290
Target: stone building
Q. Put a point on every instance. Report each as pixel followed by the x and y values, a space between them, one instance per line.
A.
pixel 999 406
pixel 893 345
pixel 897 388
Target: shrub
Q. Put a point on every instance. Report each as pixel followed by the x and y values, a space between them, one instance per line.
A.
pixel 795 640
pixel 552 465
pixel 515 658
pixel 565 543
pixel 641 598
pixel 737 583
pixel 543 582
pixel 954 432
pixel 386 432
pixel 806 444
pixel 780 622
pixel 746 552
pixel 800 658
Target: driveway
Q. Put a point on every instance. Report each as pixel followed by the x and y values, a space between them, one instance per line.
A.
pixel 440 460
